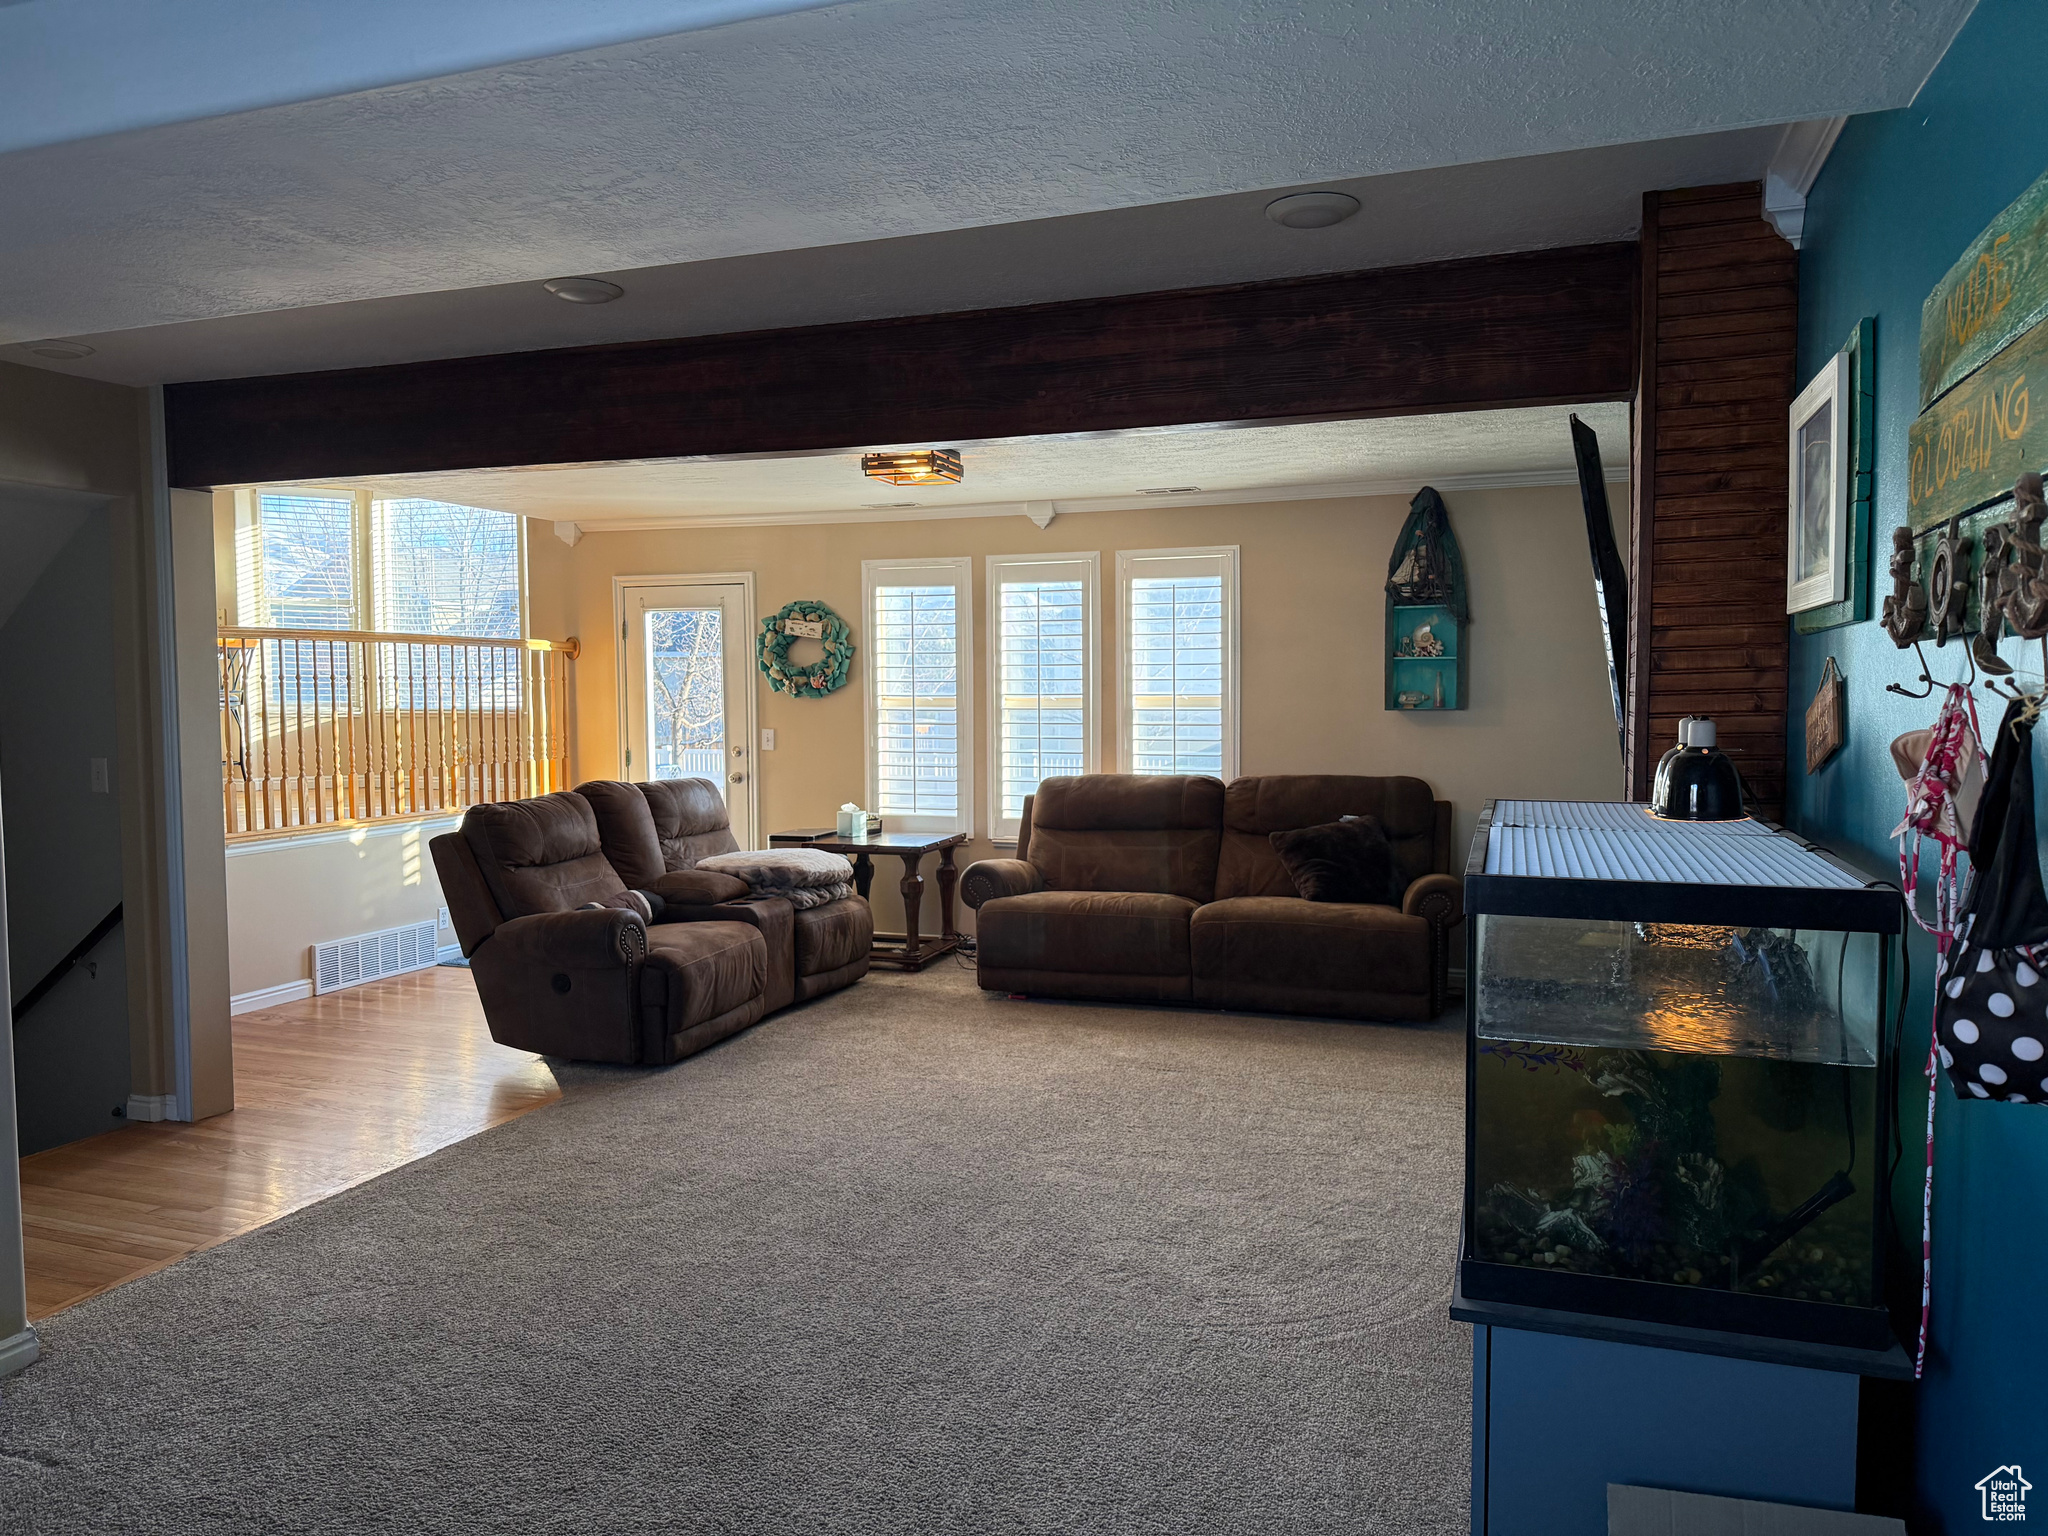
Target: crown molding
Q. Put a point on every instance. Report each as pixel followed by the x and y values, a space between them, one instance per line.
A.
pixel 1329 490
pixel 1795 166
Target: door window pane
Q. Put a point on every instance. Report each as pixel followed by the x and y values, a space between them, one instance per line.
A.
pixel 686 693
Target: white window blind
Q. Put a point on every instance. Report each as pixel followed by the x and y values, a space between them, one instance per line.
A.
pixel 1042 676
pixel 1178 617
pixel 441 569
pixel 920 626
pixel 305 547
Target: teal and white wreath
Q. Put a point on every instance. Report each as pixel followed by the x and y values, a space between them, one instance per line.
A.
pixel 805 621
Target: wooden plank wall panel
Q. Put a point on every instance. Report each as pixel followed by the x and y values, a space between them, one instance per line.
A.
pixel 1531 328
pixel 1719 354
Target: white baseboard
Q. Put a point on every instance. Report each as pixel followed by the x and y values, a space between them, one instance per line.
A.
pixel 19 1352
pixel 152 1106
pixel 445 952
pixel 271 997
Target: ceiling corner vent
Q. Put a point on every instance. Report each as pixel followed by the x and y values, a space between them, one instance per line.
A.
pixel 339 963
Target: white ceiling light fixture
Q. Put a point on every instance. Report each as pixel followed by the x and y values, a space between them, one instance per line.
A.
pixel 1311 210
pixel 61 351
pixel 583 290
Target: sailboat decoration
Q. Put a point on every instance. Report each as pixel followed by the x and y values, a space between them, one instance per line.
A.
pixel 1426 611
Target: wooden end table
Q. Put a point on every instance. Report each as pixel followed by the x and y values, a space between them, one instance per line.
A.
pixel 909 951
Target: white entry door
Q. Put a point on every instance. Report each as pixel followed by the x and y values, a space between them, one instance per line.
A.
pixel 688 681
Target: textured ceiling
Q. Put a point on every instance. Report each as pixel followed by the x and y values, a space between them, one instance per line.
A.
pixel 1577 197
pixel 884 119
pixel 1394 455
pixel 75 69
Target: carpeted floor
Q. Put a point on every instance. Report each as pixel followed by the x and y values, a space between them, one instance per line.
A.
pixel 908 1259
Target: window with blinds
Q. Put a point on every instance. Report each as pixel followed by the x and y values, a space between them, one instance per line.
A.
pixel 919 629
pixel 304 553
pixel 441 569
pixel 1042 676
pixel 1179 649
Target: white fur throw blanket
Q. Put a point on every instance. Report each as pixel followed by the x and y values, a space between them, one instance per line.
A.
pixel 804 877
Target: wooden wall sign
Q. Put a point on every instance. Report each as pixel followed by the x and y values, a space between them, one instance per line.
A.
pixel 1966 450
pixel 1997 289
pixel 1980 337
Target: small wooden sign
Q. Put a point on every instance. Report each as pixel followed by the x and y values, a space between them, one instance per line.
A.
pixel 804 629
pixel 1966 450
pixel 1827 717
pixel 1997 289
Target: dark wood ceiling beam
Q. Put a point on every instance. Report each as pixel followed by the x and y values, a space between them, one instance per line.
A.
pixel 1541 327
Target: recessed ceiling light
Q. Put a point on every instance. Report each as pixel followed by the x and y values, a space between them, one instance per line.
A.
pixel 922 466
pixel 1311 210
pixel 61 351
pixel 1167 490
pixel 583 290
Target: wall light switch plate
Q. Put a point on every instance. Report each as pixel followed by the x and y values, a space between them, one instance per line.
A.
pixel 444 916
pixel 767 741
pixel 99 776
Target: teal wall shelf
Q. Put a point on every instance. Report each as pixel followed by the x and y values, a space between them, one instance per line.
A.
pixel 1427 613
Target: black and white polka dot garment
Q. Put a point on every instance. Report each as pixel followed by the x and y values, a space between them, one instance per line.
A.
pixel 1991 1013
pixel 1992 1023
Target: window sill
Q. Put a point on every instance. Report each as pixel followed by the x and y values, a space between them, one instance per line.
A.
pixel 241 844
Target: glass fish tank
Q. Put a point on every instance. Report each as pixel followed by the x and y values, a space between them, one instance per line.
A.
pixel 1675 1064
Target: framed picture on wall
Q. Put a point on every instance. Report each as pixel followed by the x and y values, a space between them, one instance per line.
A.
pixel 1817 546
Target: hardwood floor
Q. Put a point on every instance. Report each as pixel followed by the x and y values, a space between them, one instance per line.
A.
pixel 328 1092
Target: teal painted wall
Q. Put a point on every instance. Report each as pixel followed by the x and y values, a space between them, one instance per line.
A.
pixel 1901 196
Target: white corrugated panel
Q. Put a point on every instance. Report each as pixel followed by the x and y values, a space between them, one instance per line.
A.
pixel 1650 850
pixel 1613 815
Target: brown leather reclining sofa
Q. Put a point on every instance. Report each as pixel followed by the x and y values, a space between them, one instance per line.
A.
pixel 606 985
pixel 1157 889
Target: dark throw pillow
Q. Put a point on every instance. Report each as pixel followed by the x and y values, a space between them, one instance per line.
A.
pixel 1348 860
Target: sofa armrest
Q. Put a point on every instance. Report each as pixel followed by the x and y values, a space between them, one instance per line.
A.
pixel 565 983
pixel 986 879
pixel 1439 898
pixel 776 919
pixel 607 938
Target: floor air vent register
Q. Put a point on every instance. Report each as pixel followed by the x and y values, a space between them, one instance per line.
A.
pixel 348 962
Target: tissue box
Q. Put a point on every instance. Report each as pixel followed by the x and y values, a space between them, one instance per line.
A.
pixel 853 824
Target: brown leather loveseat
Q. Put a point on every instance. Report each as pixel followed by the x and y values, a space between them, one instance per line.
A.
pixel 607 985
pixel 1136 888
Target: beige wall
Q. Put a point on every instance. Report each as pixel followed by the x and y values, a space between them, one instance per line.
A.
pixel 284 897
pixel 288 894
pixel 1313 623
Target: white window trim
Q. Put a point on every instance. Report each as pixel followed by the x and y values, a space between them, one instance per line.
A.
pixel 1002 829
pixel 875 573
pixel 1231 665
